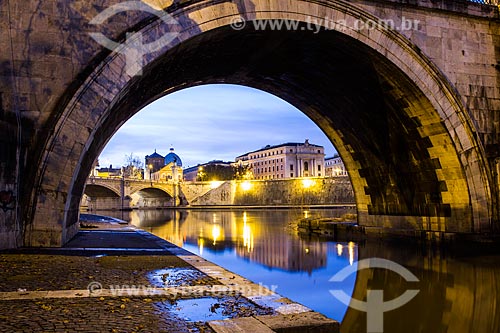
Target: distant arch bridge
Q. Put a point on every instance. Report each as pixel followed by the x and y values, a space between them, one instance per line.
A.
pixel 121 193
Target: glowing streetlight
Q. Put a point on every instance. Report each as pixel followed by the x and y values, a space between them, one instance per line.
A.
pixel 306 182
pixel 150 167
pixel 246 185
pixel 215 184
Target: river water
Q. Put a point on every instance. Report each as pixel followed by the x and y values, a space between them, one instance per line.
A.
pixel 454 292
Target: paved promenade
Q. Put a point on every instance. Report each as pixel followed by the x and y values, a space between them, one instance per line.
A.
pixel 119 279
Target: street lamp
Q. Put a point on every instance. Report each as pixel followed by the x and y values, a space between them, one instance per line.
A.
pixel 150 167
pixel 174 179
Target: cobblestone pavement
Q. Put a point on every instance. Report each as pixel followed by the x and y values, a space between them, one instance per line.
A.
pixel 106 314
pixel 161 288
pixel 31 272
pixel 53 272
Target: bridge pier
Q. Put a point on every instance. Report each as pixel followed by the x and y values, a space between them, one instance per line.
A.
pixel 50 229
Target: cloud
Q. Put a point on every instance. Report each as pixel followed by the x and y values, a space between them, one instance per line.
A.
pixel 212 122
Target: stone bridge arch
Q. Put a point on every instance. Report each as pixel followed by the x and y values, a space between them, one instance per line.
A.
pixel 113 185
pixel 149 196
pixel 408 142
pixel 101 190
pixel 134 187
pixel 101 196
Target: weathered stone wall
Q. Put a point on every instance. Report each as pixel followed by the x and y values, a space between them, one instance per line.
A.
pixel 192 191
pixel 321 191
pixel 464 47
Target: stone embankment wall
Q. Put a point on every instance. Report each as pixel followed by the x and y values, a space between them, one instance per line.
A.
pixel 313 191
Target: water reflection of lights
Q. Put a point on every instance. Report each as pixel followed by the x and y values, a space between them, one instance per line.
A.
pixel 247 237
pixel 340 249
pixel 215 232
pixel 201 243
pixel 351 253
pixel 247 234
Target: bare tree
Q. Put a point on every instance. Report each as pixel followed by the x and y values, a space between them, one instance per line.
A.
pixel 133 167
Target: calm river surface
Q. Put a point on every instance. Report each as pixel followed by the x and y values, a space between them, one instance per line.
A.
pixel 456 293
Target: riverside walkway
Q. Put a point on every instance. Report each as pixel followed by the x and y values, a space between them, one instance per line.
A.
pixel 120 279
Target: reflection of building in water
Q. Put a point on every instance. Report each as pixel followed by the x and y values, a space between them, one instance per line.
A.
pixel 257 241
pixel 166 224
pixel 280 250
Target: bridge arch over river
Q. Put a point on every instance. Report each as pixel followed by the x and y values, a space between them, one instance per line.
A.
pixel 413 112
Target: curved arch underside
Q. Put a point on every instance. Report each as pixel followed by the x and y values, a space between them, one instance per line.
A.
pixel 368 109
pixel 99 191
pixel 152 192
pixel 392 117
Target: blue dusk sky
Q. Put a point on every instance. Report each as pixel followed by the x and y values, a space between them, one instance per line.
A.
pixel 211 122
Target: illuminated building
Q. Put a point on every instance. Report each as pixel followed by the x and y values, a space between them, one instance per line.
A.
pixel 163 168
pixel 286 160
pixel 334 166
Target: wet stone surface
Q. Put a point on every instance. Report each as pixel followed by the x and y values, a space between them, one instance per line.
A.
pixel 176 277
pixel 91 315
pixel 111 314
pixel 51 272
pixel 212 308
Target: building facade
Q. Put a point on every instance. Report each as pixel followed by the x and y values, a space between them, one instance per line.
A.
pixel 334 167
pixel 153 163
pixel 287 160
pixel 161 168
pixel 170 172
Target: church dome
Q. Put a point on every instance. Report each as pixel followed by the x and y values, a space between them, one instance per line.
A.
pixel 154 155
pixel 173 157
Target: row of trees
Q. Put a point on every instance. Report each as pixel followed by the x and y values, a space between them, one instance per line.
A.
pixel 222 172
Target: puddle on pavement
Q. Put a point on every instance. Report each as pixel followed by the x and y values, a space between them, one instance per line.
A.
pixel 212 308
pixel 199 309
pixel 174 277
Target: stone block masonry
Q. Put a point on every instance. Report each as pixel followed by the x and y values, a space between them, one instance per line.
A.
pixel 296 192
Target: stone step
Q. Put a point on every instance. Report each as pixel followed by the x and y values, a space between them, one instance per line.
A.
pixel 290 323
